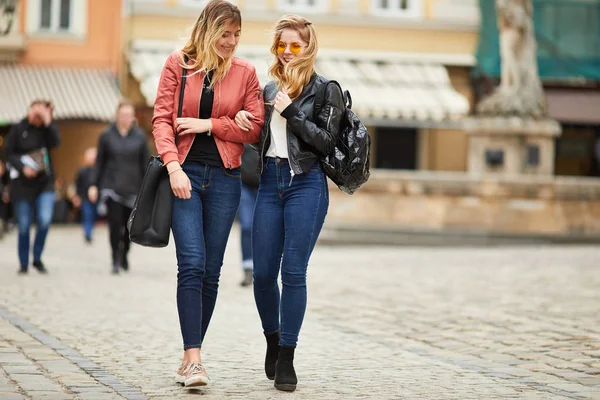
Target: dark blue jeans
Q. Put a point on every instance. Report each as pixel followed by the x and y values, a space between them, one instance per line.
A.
pixel 245 215
pixel 44 208
pixel 201 227
pixel 88 217
pixel 287 221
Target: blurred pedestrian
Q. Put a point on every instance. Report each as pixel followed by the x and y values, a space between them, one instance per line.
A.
pixel 293 197
pixel 246 211
pixel 27 150
pixel 62 202
pixel 6 209
pixel 117 175
pixel 81 200
pixel 204 163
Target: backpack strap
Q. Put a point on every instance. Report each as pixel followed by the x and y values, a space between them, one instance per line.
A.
pixel 322 91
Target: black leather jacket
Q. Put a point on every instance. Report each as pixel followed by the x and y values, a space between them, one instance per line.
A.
pixel 309 136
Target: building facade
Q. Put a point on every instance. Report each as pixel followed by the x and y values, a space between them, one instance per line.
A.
pixel 55 49
pixel 405 62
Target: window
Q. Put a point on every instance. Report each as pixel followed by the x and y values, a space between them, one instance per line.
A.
pixel 57 16
pixel 397 8
pixel 303 5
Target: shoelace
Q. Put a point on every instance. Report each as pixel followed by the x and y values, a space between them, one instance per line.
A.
pixel 196 368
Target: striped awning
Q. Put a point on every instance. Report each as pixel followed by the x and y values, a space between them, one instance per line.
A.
pixel 383 90
pixel 77 93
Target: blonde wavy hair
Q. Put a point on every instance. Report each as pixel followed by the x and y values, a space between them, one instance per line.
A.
pixel 209 27
pixel 297 73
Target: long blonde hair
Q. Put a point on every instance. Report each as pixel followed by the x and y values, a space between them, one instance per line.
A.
pixel 297 73
pixel 201 46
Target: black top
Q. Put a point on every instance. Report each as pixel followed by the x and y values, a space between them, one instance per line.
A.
pixel 121 161
pixel 22 139
pixel 84 180
pixel 204 149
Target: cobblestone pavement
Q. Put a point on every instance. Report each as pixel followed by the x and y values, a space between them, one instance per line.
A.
pixel 382 323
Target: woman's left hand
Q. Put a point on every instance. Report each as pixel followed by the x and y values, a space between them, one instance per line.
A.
pixel 187 126
pixel 282 100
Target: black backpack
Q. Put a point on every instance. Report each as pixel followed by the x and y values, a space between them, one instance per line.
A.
pixel 348 165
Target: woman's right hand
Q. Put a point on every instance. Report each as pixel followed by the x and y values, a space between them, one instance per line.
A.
pixel 180 184
pixel 242 119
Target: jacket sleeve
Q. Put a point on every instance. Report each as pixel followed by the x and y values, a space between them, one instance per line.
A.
pixel 52 136
pixel 225 128
pixel 330 116
pixel 10 148
pixel 162 120
pixel 100 164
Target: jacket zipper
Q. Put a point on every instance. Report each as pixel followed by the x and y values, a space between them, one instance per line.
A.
pixel 267 127
pixel 329 118
pixel 289 155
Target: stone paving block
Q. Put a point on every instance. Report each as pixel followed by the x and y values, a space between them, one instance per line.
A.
pixel 48 395
pixel 589 395
pixel 22 369
pixel 12 396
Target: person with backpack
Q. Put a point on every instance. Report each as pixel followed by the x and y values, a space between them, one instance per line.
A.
pixel 293 194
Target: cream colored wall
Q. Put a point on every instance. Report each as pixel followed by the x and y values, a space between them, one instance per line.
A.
pixel 338 37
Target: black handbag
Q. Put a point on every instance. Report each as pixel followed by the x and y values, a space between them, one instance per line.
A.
pixel 150 221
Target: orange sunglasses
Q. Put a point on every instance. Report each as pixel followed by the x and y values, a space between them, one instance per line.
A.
pixel 295 47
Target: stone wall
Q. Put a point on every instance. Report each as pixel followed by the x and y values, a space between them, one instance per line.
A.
pixel 454 201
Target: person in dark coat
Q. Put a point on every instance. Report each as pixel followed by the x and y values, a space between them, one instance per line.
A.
pixel 27 151
pixel 118 173
pixel 81 200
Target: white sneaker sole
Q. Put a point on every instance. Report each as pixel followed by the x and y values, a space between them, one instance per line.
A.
pixel 196 381
pixel 179 378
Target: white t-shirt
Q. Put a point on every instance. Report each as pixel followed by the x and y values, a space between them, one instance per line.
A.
pixel 278 146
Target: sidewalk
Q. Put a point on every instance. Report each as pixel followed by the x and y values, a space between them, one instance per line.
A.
pixel 382 323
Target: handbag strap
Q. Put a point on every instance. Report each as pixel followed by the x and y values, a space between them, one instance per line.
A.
pixel 181 92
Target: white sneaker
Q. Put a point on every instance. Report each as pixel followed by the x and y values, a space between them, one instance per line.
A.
pixel 195 375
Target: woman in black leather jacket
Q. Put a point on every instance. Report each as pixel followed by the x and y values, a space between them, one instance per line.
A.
pixel 293 196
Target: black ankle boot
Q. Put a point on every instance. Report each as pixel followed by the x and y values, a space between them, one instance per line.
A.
pixel 285 375
pixel 272 353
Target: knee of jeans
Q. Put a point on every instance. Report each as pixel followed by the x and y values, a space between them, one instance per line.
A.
pixel 212 277
pixel 24 224
pixel 263 279
pixel 293 279
pixel 44 220
pixel 190 270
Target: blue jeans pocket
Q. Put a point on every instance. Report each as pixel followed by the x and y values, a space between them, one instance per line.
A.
pixel 233 173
